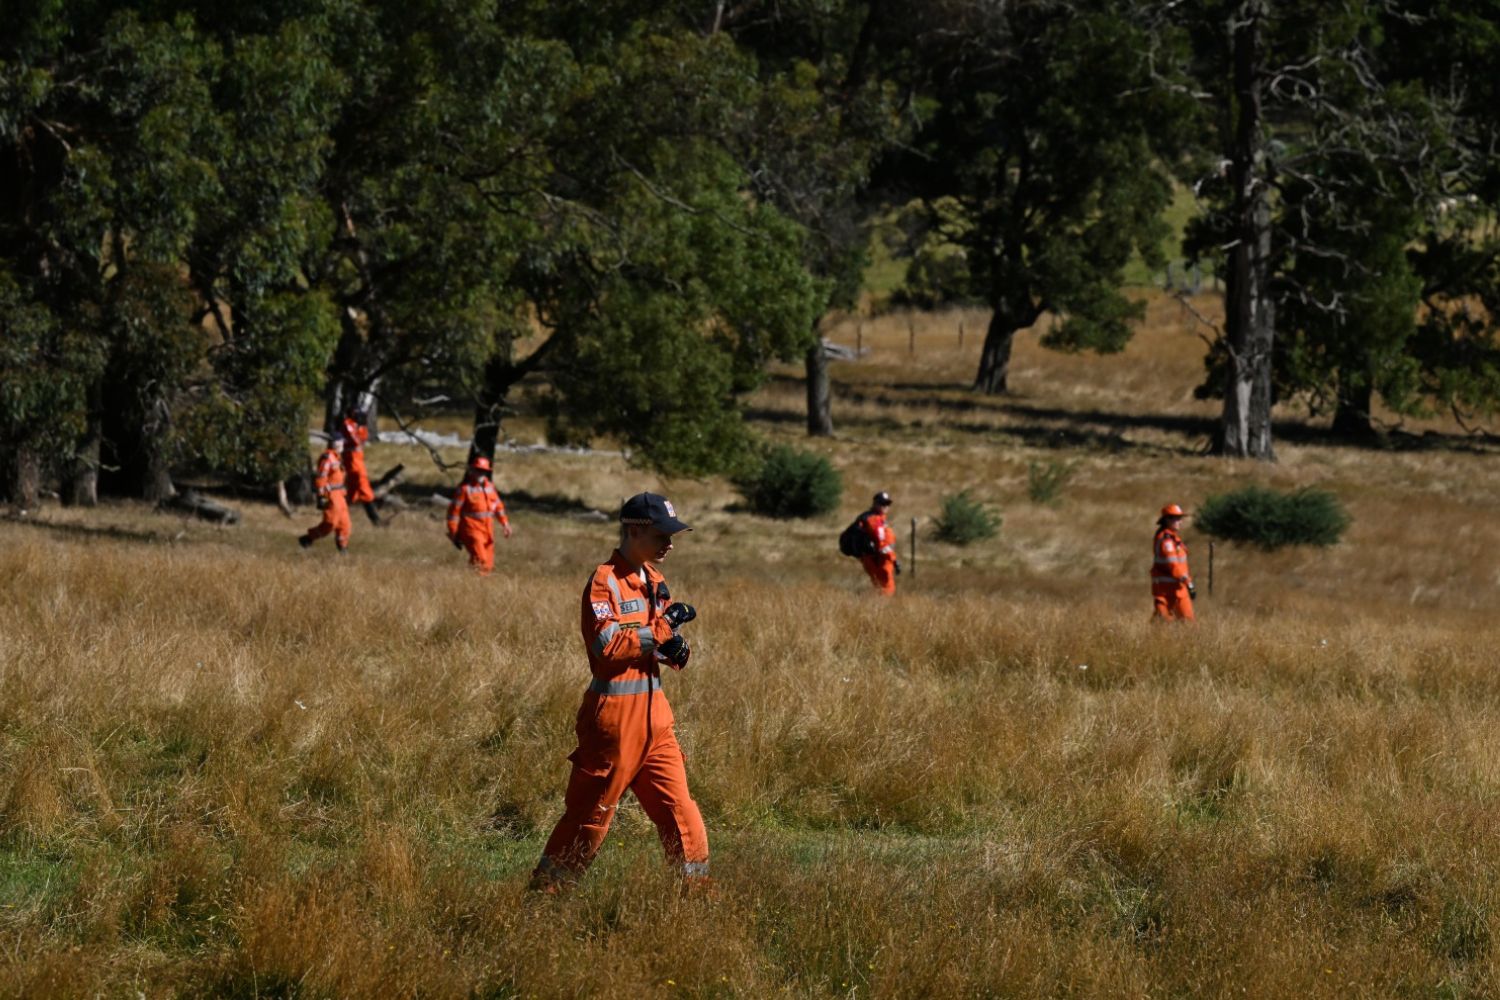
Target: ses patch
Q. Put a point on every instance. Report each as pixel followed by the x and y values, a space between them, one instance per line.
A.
pixel 601 611
pixel 632 606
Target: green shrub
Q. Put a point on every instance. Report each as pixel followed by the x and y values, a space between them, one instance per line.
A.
pixel 1272 520
pixel 1045 481
pixel 965 520
pixel 792 483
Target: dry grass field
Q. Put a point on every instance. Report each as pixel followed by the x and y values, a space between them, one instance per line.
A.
pixel 232 768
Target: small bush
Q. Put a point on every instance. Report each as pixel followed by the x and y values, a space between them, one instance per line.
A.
pixel 1272 520
pixel 1045 481
pixel 792 483
pixel 965 520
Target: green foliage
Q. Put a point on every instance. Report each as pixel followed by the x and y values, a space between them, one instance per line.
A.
pixel 1052 202
pixel 790 482
pixel 1045 481
pixel 964 520
pixel 1272 520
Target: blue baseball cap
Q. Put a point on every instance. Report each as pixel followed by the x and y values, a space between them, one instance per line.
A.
pixel 652 509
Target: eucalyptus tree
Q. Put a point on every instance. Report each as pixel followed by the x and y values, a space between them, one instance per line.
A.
pixel 827 113
pixel 1044 149
pixel 1328 166
pixel 656 286
pixel 102 176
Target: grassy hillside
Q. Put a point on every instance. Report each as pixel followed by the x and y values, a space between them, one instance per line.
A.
pixel 231 768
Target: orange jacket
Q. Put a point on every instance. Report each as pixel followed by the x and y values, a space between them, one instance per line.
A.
pixel 622 625
pixel 328 477
pixel 476 502
pixel 1170 567
pixel 355 436
pixel 882 535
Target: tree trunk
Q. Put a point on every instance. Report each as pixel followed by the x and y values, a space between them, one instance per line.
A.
pixel 819 393
pixel 1250 319
pixel 994 361
pixel 156 467
pixel 1351 418
pixel 24 477
pixel 80 485
pixel 338 392
pixel 499 375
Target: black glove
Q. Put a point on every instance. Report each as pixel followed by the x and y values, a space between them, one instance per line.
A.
pixel 675 651
pixel 457 544
pixel 324 503
pixel 1192 592
pixel 898 567
pixel 679 614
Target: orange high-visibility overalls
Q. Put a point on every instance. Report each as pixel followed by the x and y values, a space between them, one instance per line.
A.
pixel 1170 578
pixel 328 480
pixel 881 564
pixel 355 436
pixel 471 521
pixel 625 734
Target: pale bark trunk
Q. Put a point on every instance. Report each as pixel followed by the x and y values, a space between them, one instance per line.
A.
pixel 80 486
pixel 1250 320
pixel 156 470
pixel 819 392
pixel 25 475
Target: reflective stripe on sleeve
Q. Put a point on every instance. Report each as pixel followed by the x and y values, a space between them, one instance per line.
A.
pixel 643 686
pixel 648 640
pixel 614 588
pixel 602 639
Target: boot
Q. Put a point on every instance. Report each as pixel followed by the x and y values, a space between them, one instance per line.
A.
pixel 304 541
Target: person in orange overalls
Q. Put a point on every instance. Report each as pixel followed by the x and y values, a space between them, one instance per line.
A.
pixel 625 735
pixel 1172 590
pixel 471 516
pixel 328 480
pixel 881 562
pixel 356 431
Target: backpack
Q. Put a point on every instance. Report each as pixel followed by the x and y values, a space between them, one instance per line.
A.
pixel 854 540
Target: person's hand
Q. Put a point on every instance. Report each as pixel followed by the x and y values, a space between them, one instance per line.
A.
pixel 505 528
pixel 456 543
pixel 323 503
pixel 1192 592
pixel 675 652
pixel 898 567
pixel 679 614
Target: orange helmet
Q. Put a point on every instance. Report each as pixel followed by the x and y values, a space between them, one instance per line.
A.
pixel 1172 510
pixel 481 463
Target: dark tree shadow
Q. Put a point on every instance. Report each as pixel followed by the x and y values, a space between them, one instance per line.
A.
pixel 94 531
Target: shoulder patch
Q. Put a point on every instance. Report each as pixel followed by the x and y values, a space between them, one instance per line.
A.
pixel 602 611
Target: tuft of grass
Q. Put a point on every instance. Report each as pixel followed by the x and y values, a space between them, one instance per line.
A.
pixel 1045 481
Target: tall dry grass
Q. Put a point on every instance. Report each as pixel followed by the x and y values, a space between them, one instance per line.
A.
pixel 230 768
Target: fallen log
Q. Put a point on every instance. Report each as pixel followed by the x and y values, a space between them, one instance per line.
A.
pixel 387 482
pixel 192 503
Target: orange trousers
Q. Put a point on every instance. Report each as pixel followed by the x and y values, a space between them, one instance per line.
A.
pixel 357 479
pixel 335 522
pixel 882 573
pixel 480 544
pixel 626 742
pixel 1171 602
